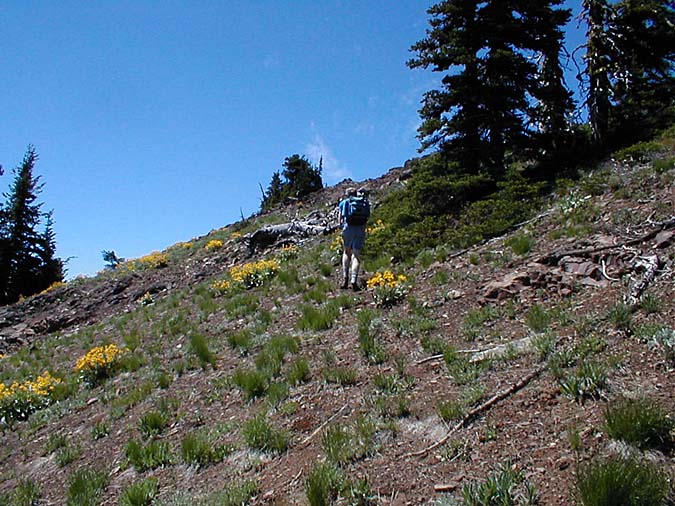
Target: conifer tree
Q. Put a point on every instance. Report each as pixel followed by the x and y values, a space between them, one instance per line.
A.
pixel 27 261
pixel 598 58
pixel 494 98
pixel 300 179
pixel 644 84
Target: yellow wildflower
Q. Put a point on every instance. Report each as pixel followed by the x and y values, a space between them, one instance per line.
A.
pixel 213 244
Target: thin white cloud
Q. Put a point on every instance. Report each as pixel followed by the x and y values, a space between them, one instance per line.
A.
pixel 333 170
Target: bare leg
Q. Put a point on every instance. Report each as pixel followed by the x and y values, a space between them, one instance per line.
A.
pixel 355 266
pixel 346 262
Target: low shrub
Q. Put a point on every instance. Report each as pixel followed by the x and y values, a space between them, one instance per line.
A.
pixel 254 274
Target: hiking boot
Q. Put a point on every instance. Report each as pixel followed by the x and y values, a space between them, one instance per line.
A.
pixel 356 287
pixel 344 285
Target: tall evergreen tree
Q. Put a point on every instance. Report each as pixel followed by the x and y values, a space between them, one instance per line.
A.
pixel 494 98
pixel 27 262
pixel 644 84
pixel 599 56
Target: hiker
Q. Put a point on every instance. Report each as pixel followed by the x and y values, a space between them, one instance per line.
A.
pixel 354 211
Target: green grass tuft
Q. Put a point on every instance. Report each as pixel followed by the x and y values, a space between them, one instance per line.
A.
pixel 140 493
pixel 640 422
pixel 621 481
pixel 85 487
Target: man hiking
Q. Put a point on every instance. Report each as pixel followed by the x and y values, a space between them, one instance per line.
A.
pixel 354 211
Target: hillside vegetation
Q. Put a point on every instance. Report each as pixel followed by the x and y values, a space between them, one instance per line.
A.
pixel 522 361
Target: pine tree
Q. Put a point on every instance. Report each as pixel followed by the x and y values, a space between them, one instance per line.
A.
pixel 300 179
pixel 273 195
pixel 644 84
pixel 599 57
pixel 27 262
pixel 484 110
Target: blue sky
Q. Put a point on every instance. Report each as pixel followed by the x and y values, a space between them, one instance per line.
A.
pixel 156 121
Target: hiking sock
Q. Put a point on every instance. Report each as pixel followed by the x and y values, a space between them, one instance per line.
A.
pixel 346 260
pixel 355 268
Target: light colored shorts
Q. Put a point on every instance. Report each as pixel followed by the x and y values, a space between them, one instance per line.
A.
pixel 354 237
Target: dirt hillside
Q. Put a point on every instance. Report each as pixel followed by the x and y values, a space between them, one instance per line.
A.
pixel 505 354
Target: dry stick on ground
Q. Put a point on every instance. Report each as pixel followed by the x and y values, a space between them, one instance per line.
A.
pixel 318 429
pixel 479 409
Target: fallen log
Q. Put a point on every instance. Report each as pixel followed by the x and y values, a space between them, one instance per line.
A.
pixel 267 236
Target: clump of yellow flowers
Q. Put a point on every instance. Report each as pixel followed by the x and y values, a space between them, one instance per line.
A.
pixel 389 288
pixel 288 252
pixel 99 363
pixel 221 286
pixel 253 274
pixel 376 227
pixel 19 400
pixel 154 260
pixel 387 279
pixel 213 245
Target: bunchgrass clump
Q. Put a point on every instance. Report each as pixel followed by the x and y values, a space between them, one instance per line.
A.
pixel 26 493
pixel 461 369
pixel 520 244
pixel 152 423
pixel 348 442
pixel 85 487
pixel 298 372
pixel 323 484
pixel 199 449
pixel 140 493
pixel 150 456
pixel 640 422
pixel 449 410
pixel 241 341
pixel 260 434
pixel 251 382
pixel 199 345
pixel 344 376
pixel 621 317
pixel 234 494
pixel 475 320
pixel 318 319
pixel 371 347
pixel 621 481
pixel 100 430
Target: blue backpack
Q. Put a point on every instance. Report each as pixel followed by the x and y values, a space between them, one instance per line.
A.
pixel 357 211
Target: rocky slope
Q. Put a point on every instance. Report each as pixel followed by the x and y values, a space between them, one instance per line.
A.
pixel 507 353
